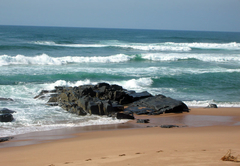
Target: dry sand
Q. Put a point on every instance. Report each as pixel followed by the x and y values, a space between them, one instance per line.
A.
pixel 207 136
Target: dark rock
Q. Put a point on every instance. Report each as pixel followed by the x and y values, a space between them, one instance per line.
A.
pixel 137 96
pixel 89 91
pixel 63 97
pixel 6 117
pixel 93 108
pixel 139 110
pixel 105 99
pixel 168 126
pixel 5 110
pixel 161 104
pixel 5 99
pixel 143 120
pixel 124 116
pixel 53 99
pixel 4 139
pixel 77 110
pixel 212 106
pixel 117 95
pixel 83 102
pixel 117 107
pixel 116 87
pixel 52 103
pixel 103 84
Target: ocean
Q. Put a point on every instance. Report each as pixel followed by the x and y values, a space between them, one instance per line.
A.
pixel 198 68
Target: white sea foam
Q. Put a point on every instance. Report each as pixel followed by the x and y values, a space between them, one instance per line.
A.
pixel 45 59
pixel 228 46
pixel 50 86
pixel 107 59
pixel 166 46
pixel 133 84
pixel 138 85
pixel 205 103
pixel 51 43
pixel 156 47
pixel 13 128
pixel 201 57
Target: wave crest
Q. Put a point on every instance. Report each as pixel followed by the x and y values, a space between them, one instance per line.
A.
pixel 44 59
pixel 201 57
pixel 166 46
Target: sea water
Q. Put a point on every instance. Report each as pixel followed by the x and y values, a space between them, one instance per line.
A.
pixel 198 68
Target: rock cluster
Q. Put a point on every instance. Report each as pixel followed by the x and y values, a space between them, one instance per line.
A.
pixel 6 115
pixel 111 100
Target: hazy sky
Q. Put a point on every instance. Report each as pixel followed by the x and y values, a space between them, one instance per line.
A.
pixel 210 15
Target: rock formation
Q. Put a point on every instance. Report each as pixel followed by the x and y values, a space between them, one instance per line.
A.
pixel 106 99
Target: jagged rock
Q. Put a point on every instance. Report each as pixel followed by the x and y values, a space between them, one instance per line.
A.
pixel 124 116
pixel 106 99
pixel 54 98
pixel 139 110
pixel 95 107
pixel 102 84
pixel 83 102
pixel 6 117
pixel 137 96
pixel 62 97
pixel 115 87
pixel 5 110
pixel 161 104
pixel 143 120
pixel 52 103
pixel 5 99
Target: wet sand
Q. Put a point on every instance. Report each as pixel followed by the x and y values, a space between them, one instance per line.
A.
pixel 204 136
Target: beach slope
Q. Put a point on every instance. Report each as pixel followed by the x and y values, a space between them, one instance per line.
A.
pixel 204 145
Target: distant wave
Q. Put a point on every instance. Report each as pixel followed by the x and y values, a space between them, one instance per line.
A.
pixel 228 46
pixel 167 46
pixel 44 59
pixel 51 43
pixel 201 57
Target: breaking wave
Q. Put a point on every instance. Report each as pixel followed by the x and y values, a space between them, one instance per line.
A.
pixel 166 46
pixel 44 59
pixel 201 57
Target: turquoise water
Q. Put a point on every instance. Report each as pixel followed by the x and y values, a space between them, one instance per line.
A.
pixel 196 67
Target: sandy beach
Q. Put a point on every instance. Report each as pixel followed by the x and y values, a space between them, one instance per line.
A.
pixel 204 136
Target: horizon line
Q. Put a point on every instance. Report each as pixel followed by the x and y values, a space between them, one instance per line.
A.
pixel 52 26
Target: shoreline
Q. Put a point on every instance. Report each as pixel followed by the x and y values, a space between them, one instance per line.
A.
pixel 185 119
pixel 133 143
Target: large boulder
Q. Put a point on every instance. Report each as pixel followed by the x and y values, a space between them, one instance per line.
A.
pixel 7 117
pixel 160 104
